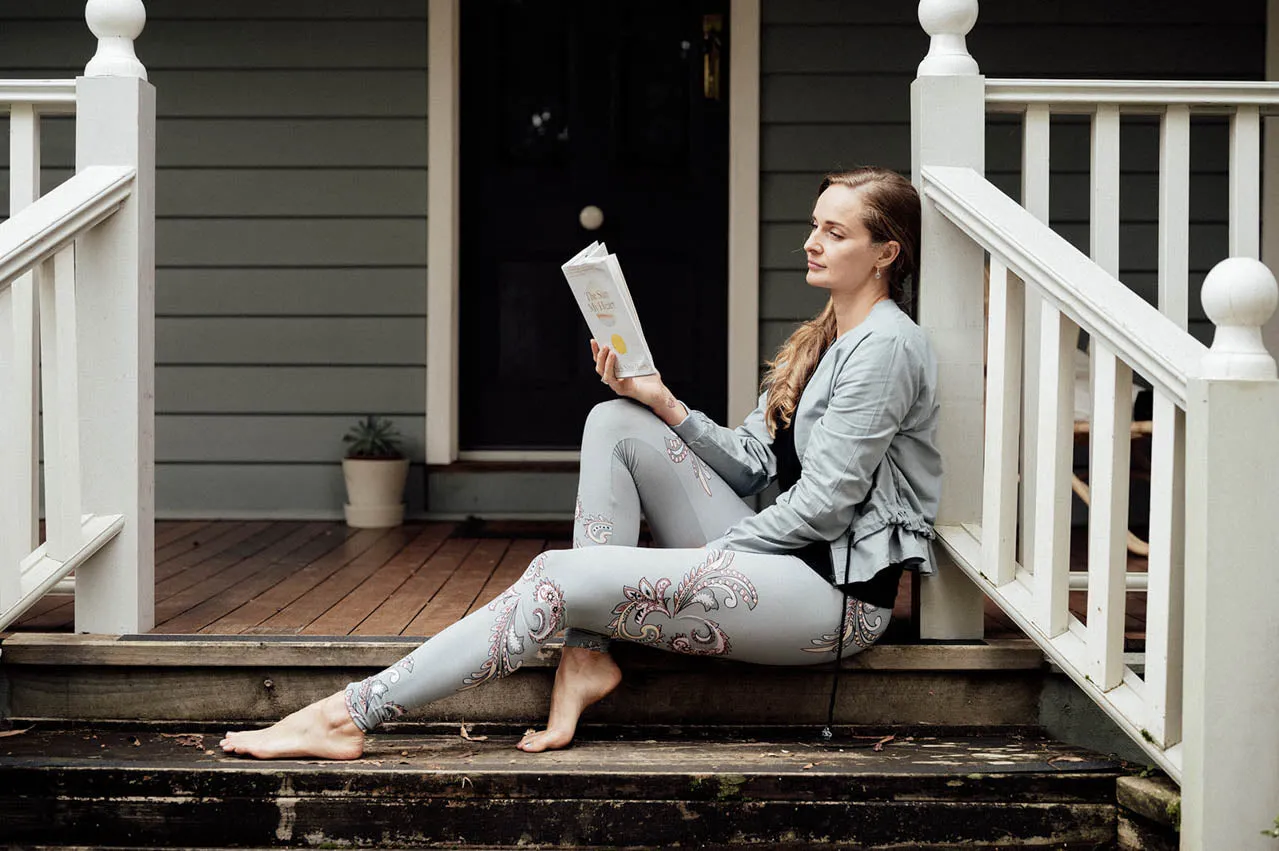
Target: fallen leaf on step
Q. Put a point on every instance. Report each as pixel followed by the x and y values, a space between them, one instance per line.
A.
pixel 6 733
pixel 186 740
pixel 808 766
pixel 466 734
pixel 879 746
pixel 133 740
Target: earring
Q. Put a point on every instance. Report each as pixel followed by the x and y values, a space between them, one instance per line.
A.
pixel 877 274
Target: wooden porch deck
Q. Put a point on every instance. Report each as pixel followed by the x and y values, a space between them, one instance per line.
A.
pixel 323 578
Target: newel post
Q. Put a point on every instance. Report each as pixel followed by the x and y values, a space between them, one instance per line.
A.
pixel 948 120
pixel 115 298
pixel 1230 786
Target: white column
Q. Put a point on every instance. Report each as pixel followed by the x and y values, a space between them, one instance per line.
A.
pixel 1230 787
pixel 115 125
pixel 948 121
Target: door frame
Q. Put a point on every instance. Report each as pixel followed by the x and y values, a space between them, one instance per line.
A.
pixel 443 186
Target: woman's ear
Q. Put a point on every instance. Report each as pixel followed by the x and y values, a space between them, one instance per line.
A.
pixel 890 251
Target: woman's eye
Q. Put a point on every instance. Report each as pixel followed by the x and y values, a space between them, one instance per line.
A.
pixel 836 235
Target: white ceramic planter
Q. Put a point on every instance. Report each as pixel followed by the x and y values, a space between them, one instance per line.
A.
pixel 374 491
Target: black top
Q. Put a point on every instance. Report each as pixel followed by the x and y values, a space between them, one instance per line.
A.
pixel 881 589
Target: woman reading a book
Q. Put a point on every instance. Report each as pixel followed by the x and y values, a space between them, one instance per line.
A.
pixel 846 425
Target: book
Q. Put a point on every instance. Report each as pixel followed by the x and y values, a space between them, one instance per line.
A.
pixel 598 285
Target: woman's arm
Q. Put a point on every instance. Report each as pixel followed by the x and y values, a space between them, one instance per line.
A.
pixel 742 457
pixel 872 395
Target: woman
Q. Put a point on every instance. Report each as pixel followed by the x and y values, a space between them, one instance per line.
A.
pixel 846 425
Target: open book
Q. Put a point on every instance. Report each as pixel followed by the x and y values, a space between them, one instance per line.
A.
pixel 600 289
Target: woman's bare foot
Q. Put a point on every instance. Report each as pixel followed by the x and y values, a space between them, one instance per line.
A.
pixel 583 677
pixel 323 729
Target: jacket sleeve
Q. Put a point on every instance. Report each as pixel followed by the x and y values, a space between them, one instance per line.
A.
pixel 871 397
pixel 743 457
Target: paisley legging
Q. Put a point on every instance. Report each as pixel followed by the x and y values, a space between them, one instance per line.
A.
pixel 679 595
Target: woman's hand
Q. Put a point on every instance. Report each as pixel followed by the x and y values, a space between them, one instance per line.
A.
pixel 648 390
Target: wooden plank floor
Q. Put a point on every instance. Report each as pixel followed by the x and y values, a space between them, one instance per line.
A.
pixel 322 578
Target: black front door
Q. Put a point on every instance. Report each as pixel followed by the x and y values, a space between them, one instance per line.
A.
pixel 565 104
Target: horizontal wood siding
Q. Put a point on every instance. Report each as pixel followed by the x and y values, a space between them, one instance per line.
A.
pixel 835 92
pixel 290 235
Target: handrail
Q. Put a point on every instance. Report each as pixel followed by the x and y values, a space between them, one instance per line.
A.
pixel 50 97
pixel 1095 300
pixel 1135 96
pixel 35 233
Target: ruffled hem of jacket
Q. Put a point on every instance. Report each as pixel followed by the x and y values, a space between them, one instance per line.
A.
pixel 908 544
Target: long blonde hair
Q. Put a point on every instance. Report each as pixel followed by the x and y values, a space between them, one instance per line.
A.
pixel 890 211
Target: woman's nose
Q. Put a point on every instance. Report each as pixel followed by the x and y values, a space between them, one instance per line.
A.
pixel 811 245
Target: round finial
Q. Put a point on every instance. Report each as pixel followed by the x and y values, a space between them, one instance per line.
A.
pixel 116 23
pixel 947 21
pixel 1239 295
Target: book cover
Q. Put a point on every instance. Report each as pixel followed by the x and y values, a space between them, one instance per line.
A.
pixel 598 285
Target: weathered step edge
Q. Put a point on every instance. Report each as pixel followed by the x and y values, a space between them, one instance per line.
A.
pixel 145 680
pixel 380 652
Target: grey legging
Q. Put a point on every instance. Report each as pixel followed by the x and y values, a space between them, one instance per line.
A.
pixel 754 607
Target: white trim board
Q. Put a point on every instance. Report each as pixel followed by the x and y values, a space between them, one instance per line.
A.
pixel 442 223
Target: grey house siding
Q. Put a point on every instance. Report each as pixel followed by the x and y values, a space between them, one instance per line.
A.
pixel 291 234
pixel 291 280
pixel 835 92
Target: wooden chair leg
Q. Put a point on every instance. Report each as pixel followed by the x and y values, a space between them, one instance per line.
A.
pixel 1136 545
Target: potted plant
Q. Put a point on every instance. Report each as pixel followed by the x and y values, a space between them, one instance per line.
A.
pixel 375 471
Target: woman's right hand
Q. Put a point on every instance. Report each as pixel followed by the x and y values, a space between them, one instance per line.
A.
pixel 648 390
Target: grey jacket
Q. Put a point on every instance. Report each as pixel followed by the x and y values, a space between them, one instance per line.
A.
pixel 866 421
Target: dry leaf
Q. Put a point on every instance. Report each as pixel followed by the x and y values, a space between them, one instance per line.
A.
pixel 133 740
pixel 466 734
pixel 4 734
pixel 879 746
pixel 186 740
pixel 808 766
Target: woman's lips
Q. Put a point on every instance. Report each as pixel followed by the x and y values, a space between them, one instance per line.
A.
pixel 814 266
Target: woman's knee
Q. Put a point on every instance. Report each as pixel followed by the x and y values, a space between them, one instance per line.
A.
pixel 618 418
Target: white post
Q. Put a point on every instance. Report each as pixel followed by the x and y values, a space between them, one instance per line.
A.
pixel 948 127
pixel 1230 787
pixel 115 125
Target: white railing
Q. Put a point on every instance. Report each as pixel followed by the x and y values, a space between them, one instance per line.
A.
pixel 86 387
pixel 42 236
pixel 1204 702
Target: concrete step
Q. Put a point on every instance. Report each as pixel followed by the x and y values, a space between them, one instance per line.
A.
pixel 260 678
pixel 139 787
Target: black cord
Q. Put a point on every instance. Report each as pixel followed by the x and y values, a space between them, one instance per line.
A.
pixel 828 731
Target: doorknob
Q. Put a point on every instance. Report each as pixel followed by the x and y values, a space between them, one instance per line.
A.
pixel 591 217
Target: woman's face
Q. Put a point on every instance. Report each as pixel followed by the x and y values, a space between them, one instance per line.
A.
pixel 840 253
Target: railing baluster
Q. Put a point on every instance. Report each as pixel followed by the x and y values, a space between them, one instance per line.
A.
pixel 1058 336
pixel 61 406
pixel 1245 183
pixel 1108 515
pixel 1103 231
pixel 1108 435
pixel 1174 215
pixel 1165 593
pixel 1003 421
pixel 1035 181
pixel 24 189
pixel 13 503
